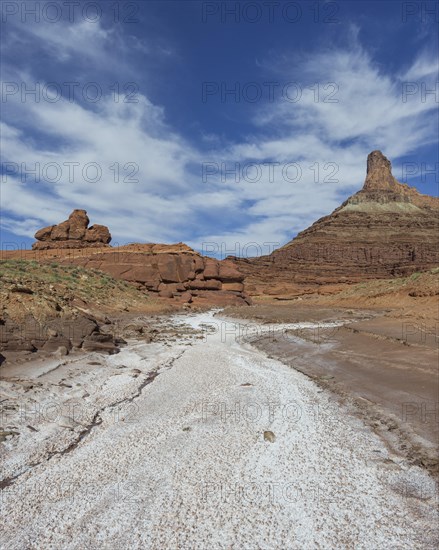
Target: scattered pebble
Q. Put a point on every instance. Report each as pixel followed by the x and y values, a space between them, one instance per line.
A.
pixel 269 436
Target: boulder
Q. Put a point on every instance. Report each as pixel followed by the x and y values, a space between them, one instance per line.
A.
pixel 75 330
pixel 91 344
pixel 97 234
pixel 173 287
pixel 55 342
pixel 211 284
pixel 218 298
pixel 166 294
pixel 60 232
pixel 228 272
pixel 186 297
pixel 44 234
pixel 233 287
pixel 211 268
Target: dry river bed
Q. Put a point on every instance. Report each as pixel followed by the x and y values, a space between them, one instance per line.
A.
pixel 203 442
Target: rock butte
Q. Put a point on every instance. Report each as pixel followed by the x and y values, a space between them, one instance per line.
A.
pixel 384 230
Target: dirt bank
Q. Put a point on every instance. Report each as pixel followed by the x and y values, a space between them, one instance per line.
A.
pixel 383 364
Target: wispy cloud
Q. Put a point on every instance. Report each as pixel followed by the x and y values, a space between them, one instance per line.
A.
pixel 170 201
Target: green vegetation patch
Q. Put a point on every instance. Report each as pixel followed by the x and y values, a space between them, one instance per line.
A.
pixel 58 278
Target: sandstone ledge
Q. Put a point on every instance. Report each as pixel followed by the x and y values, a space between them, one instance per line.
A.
pixel 173 271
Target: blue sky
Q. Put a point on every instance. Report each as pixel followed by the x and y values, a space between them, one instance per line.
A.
pixel 187 121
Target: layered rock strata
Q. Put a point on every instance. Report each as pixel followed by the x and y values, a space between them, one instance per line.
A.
pixel 384 230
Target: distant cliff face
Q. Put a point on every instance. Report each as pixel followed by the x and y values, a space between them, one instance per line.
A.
pixel 386 229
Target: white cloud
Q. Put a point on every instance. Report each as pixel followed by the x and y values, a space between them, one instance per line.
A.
pixel 170 202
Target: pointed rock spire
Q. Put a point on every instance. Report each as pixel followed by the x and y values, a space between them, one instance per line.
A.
pixel 379 173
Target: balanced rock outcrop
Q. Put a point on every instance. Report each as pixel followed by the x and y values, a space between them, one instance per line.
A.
pixel 72 233
pixel 386 229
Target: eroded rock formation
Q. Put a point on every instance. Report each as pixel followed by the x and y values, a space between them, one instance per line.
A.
pixel 172 271
pixel 72 233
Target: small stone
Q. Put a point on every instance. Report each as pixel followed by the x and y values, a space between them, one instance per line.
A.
pixel 62 351
pixel 6 433
pixel 269 436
